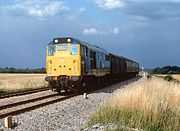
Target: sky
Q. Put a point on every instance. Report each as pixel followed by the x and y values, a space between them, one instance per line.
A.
pixel 147 31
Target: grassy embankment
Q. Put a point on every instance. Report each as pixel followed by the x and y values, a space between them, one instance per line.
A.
pixel 18 82
pixel 149 105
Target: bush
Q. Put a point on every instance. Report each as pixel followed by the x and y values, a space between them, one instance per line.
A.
pixel 168 78
pixel 149 76
pixel 167 70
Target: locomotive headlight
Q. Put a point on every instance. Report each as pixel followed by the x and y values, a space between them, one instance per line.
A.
pixel 56 41
pixel 69 40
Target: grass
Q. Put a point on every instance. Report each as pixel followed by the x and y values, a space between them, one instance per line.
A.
pixel 19 82
pixel 4 91
pixel 175 76
pixel 149 105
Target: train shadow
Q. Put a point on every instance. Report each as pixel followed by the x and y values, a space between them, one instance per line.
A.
pixel 111 86
pixel 103 87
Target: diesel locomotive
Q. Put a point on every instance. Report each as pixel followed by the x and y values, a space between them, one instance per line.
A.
pixel 72 64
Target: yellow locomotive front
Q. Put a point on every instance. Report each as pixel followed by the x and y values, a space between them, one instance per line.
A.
pixel 63 63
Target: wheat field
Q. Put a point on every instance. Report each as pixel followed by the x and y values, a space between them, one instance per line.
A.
pixel 175 76
pixel 148 94
pixel 15 82
pixel 148 104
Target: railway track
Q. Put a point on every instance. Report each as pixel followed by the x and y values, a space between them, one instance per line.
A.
pixel 31 104
pixel 34 103
pixel 6 95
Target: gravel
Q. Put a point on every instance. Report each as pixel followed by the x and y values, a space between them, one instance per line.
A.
pixel 15 99
pixel 69 115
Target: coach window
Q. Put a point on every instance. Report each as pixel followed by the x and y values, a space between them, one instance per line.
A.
pixel 107 57
pixel 91 54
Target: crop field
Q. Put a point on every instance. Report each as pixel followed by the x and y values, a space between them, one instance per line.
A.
pixel 152 104
pixel 16 82
pixel 175 76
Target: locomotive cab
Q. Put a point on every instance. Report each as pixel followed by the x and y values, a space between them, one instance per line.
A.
pixel 63 65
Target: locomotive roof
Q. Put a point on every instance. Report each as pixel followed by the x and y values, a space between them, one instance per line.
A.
pixel 76 41
pixel 64 40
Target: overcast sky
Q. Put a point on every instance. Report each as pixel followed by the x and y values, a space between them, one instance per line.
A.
pixel 147 31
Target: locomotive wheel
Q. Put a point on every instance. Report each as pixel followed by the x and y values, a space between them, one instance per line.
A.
pixel 76 89
pixel 58 89
pixel 66 90
pixel 51 85
pixel 84 86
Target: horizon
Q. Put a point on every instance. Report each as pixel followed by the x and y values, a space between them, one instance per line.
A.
pixel 42 68
pixel 144 31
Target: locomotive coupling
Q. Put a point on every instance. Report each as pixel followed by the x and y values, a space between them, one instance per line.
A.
pixel 48 79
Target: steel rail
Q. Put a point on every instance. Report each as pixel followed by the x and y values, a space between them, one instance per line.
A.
pixel 38 103
pixel 31 106
pixel 6 95
pixel 26 101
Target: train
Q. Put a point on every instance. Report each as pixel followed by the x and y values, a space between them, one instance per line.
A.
pixel 72 65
